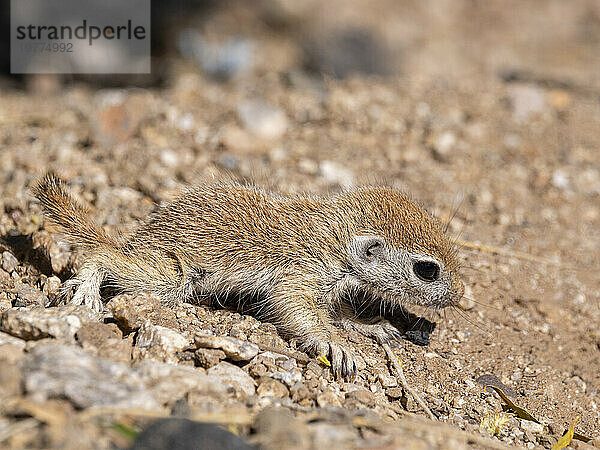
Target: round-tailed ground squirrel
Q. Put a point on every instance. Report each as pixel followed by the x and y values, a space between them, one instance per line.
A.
pixel 303 258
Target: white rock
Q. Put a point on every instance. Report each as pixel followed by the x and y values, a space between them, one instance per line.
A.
pixel 169 382
pixel 151 336
pixel 337 174
pixel 526 100
pixel 288 377
pixel 186 122
pixel 9 262
pixel 528 425
pixel 230 375
pixel 560 179
pixel 169 158
pixel 234 348
pixel 387 380
pixel 445 143
pixel 262 119
pixel 52 285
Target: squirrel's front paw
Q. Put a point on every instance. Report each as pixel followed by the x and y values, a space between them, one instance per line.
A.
pixel 343 362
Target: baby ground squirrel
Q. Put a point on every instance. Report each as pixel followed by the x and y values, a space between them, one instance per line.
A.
pixel 303 257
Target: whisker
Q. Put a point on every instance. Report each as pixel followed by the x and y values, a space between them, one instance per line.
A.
pixel 466 319
pixel 486 305
pixel 453 212
pixel 416 325
pixel 503 252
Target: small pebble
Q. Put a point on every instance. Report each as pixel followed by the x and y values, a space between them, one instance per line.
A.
pixel 327 399
pixel 362 396
pixel 445 143
pixel 208 357
pixel 387 380
pixel 263 120
pixel 337 174
pixel 52 286
pixel 531 427
pixel 269 387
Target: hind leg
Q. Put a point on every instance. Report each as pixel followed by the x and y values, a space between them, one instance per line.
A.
pixel 86 286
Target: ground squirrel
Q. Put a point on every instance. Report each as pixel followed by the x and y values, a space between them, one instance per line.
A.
pixel 303 258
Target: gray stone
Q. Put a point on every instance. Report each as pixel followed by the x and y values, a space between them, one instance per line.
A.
pixel 269 387
pixel 387 380
pixel 208 357
pixel 233 376
pixel 233 348
pixel 345 51
pixel 301 392
pixel 104 340
pixel 160 342
pixel 51 247
pixel 289 377
pixel 221 60
pixel 52 286
pixel 33 324
pixel 394 392
pixel 169 382
pixel 61 371
pixel 327 435
pixel 9 262
pixel 5 301
pixel 133 311
pixel 30 296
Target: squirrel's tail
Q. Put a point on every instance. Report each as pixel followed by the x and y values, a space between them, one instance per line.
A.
pixel 67 213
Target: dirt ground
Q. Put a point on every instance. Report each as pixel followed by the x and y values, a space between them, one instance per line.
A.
pixel 486 112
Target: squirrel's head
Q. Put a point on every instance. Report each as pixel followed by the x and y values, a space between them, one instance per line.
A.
pixel 400 251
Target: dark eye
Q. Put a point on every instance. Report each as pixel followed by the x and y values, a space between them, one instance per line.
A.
pixel 426 270
pixel 373 249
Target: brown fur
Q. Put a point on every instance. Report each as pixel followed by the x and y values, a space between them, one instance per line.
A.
pixel 302 257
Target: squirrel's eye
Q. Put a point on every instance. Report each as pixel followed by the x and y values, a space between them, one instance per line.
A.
pixel 426 270
pixel 373 249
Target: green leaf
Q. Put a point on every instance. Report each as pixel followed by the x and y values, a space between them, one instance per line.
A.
pixel 125 430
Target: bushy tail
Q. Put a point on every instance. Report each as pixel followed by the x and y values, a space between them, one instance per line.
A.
pixel 72 217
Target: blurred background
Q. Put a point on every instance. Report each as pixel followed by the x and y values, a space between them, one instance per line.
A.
pixel 550 40
pixel 495 102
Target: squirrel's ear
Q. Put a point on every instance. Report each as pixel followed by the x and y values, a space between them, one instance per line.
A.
pixel 367 248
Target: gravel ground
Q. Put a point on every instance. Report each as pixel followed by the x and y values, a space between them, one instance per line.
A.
pixel 514 159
